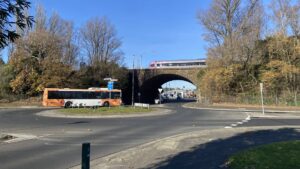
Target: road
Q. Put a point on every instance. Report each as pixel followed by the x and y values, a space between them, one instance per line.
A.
pixel 58 140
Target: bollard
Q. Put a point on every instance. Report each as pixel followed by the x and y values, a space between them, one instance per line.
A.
pixel 85 156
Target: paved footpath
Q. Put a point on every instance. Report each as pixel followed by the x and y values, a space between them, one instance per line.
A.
pixel 207 149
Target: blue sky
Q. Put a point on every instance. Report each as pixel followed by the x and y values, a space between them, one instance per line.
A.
pixel 149 29
pixel 153 29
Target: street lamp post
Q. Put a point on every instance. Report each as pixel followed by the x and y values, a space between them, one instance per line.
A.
pixel 132 92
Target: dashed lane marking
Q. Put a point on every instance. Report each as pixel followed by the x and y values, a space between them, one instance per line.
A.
pixel 248 118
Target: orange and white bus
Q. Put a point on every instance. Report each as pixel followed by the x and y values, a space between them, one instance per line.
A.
pixel 92 97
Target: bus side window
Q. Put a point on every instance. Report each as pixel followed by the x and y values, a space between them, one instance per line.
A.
pixel 115 95
pixel 98 95
pixel 104 95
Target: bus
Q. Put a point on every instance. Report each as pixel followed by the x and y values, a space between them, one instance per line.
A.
pixel 92 97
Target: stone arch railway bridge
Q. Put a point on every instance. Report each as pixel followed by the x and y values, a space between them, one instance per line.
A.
pixel 147 81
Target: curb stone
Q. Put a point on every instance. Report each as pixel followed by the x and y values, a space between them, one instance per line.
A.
pixel 254 113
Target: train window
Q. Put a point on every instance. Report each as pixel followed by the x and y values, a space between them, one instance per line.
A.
pixel 158 65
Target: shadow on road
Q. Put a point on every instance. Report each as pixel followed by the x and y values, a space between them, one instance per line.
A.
pixel 213 155
pixel 79 122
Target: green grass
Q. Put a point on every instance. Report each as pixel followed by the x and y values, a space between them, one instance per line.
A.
pixel 282 155
pixel 122 110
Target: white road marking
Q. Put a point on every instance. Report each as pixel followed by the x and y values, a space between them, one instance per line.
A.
pixel 240 122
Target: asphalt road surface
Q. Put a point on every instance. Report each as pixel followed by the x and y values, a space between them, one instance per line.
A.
pixel 58 140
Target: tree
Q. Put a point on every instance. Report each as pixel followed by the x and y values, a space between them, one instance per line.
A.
pixel 294 19
pixel 1 62
pixel 102 49
pixel 281 10
pixel 280 77
pixel 100 41
pixel 13 17
pixel 232 27
pixel 6 74
pixel 42 58
pixel 233 30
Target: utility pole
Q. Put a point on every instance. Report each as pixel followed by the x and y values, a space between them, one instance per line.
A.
pixel 132 94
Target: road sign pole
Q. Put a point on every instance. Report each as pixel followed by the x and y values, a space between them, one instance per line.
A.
pixel 262 98
pixel 109 98
pixel 160 90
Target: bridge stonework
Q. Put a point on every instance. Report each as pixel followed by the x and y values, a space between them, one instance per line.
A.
pixel 189 75
pixel 147 81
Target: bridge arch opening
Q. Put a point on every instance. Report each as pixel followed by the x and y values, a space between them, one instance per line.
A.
pixel 149 89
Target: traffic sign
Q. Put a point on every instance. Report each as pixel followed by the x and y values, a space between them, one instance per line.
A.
pixel 160 90
pixel 110 85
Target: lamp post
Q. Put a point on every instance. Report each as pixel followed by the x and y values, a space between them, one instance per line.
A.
pixel 132 89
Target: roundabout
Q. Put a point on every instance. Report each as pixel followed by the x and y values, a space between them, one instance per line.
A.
pixel 95 113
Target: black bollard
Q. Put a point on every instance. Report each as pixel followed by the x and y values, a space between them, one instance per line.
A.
pixel 85 160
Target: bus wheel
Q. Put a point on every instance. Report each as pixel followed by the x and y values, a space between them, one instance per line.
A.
pixel 106 104
pixel 68 104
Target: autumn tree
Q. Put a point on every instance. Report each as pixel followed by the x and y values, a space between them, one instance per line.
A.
pixel 233 29
pixel 42 58
pixel 6 74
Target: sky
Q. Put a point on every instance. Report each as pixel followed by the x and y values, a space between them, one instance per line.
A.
pixel 149 29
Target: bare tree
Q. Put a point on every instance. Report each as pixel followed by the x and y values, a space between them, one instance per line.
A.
pixel 71 52
pixel 40 18
pixel 100 41
pixel 294 18
pixel 280 15
pixel 60 29
pixel 232 28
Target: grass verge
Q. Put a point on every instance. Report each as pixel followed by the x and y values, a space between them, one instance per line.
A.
pixel 122 110
pixel 282 155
